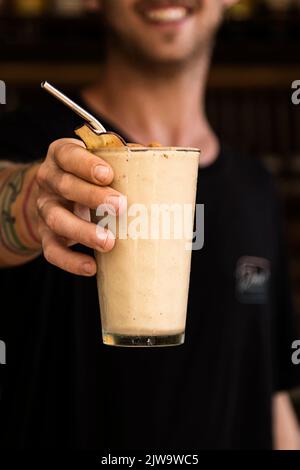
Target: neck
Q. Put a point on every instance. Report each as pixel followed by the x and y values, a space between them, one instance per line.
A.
pixel 156 105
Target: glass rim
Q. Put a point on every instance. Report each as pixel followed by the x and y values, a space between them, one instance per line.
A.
pixel 142 149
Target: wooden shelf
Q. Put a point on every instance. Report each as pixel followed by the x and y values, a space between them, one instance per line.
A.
pixel 26 74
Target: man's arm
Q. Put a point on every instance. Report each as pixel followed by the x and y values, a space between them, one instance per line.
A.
pixel 286 432
pixel 19 241
pixel 39 208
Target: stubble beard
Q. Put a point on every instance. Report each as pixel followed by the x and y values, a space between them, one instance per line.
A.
pixel 151 65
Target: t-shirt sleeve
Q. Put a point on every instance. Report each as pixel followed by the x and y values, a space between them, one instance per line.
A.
pixel 285 318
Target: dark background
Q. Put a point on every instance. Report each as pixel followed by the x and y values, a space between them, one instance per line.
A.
pixel 257 57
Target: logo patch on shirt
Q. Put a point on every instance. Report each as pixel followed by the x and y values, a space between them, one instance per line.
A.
pixel 252 280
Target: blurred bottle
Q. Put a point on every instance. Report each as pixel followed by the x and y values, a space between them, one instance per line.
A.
pixel 279 6
pixel 67 7
pixel 243 10
pixel 297 5
pixel 29 7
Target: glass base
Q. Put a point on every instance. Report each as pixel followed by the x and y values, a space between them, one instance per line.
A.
pixel 112 339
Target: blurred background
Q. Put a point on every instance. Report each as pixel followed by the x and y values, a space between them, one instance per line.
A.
pixel 257 57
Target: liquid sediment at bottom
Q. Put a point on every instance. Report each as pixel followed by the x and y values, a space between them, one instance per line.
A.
pixel 113 339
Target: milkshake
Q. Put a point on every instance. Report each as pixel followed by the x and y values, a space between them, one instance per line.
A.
pixel 143 282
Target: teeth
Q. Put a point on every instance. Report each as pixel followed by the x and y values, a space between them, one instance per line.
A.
pixel 167 14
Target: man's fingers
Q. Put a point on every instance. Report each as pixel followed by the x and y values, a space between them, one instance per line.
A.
pixel 65 224
pixel 72 188
pixel 57 253
pixel 75 159
pixel 82 212
pixel 72 174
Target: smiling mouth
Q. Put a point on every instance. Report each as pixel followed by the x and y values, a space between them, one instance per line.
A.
pixel 164 13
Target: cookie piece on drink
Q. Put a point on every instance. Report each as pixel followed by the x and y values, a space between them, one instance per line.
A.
pixel 94 141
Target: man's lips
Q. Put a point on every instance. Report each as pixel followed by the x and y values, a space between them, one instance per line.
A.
pixel 166 15
pixel 166 11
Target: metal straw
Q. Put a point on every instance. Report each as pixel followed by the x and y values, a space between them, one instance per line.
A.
pixel 93 122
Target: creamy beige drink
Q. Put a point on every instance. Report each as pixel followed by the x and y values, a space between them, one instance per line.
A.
pixel 143 282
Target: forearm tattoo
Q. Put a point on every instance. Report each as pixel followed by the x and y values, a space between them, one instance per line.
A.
pixel 4 164
pixel 9 192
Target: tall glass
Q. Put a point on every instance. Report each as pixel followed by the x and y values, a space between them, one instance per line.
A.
pixel 143 282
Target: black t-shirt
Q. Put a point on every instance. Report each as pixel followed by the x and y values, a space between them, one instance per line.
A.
pixel 65 389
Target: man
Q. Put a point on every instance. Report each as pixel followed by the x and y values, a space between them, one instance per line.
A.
pixel 65 389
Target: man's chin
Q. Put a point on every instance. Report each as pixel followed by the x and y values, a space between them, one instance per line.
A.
pixel 164 53
pixel 171 60
pixel 162 62
pixel 158 55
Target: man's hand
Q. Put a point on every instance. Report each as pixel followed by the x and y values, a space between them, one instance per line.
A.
pixel 71 180
pixel 286 431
